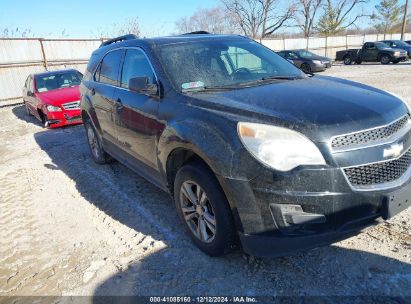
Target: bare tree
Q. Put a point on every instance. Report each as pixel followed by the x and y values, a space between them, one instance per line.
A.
pixel 306 14
pixel 17 32
pixel 215 20
pixel 130 26
pixel 338 15
pixel 260 17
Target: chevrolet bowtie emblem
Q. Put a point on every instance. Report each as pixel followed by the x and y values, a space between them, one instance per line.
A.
pixel 394 151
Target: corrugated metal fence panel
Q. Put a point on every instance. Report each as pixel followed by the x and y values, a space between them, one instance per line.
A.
pixel 298 43
pixel 12 80
pixel 79 67
pixel 14 51
pixel 274 44
pixel 69 50
pixel 316 43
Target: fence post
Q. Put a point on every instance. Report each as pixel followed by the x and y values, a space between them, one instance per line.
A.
pixel 43 53
pixel 346 41
pixel 283 43
pixel 326 45
pixel 308 41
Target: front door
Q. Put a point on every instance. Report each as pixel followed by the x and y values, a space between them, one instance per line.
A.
pixel 135 112
pixel 370 52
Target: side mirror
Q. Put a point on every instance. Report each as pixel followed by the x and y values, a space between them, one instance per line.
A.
pixel 30 93
pixel 142 85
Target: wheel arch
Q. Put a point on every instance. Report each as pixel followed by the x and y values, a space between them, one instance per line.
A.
pixel 182 156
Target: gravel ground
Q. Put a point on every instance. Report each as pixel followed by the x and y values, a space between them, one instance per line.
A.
pixel 71 227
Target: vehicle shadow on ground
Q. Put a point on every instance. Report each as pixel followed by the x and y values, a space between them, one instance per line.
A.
pixel 179 268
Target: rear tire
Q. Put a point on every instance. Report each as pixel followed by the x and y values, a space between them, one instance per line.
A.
pixel 385 59
pixel 97 152
pixel 347 60
pixel 204 210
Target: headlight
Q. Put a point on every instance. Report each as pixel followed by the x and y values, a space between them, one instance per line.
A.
pixel 317 62
pixel 397 53
pixel 279 148
pixel 51 108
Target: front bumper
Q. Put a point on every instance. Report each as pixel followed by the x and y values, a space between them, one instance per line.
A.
pixel 264 231
pixel 320 67
pixel 64 118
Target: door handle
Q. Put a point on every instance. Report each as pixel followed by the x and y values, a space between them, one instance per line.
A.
pixel 119 104
pixel 93 91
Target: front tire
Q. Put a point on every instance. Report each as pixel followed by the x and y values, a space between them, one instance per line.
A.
pixel 204 210
pixel 396 61
pixel 385 59
pixel 305 67
pixel 97 152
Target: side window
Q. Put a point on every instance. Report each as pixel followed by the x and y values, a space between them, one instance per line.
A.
pixel 110 67
pixel 292 55
pixel 136 65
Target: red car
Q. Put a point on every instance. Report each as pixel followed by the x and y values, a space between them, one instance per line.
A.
pixel 54 97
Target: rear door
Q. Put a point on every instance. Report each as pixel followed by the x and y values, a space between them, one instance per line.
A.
pixel 106 78
pixel 136 112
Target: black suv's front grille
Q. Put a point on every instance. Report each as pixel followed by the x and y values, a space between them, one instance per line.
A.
pixel 379 173
pixel 370 136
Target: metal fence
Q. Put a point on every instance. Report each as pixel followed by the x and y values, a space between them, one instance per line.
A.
pixel 328 46
pixel 20 57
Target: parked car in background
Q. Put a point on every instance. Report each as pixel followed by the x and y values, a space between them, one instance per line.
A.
pixel 250 148
pixel 372 52
pixel 54 97
pixel 399 44
pixel 307 61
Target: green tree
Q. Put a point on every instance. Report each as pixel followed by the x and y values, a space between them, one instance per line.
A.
pixel 387 16
pixel 338 15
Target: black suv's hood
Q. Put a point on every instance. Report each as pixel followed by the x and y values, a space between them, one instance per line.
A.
pixel 320 106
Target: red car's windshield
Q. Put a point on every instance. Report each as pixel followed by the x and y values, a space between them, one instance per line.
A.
pixel 57 81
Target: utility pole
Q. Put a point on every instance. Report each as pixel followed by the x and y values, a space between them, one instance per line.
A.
pixel 404 20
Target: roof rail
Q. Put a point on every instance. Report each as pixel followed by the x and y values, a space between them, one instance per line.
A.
pixel 119 39
pixel 198 33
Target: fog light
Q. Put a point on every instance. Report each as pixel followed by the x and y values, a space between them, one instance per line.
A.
pixel 289 215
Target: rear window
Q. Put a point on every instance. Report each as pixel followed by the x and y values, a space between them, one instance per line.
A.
pixel 109 69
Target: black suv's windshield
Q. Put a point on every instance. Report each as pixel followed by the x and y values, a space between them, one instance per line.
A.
pixel 218 64
pixel 58 81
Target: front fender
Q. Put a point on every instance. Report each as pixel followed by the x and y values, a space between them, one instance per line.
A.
pixel 214 145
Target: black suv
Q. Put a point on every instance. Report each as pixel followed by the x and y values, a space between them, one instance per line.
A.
pixel 253 151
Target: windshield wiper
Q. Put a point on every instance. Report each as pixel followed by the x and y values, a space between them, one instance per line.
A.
pixel 210 89
pixel 280 77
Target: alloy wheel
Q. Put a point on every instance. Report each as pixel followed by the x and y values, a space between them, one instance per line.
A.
pixel 93 142
pixel 198 211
